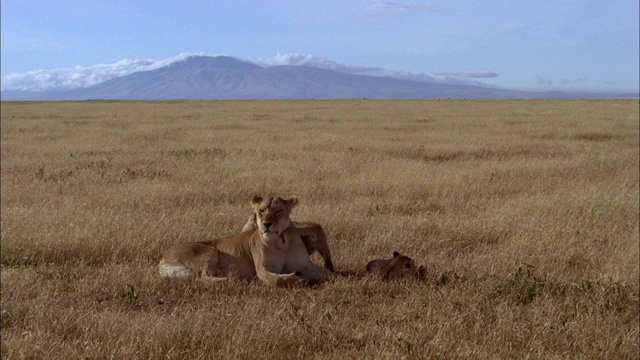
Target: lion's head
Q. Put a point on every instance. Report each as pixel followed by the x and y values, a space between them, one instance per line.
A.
pixel 399 266
pixel 273 215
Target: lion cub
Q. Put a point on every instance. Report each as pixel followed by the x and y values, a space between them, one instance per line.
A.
pixel 399 266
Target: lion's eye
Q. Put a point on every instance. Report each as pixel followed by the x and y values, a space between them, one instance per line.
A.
pixel 278 212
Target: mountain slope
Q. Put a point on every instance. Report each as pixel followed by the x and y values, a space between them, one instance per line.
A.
pixel 204 77
pixel 227 78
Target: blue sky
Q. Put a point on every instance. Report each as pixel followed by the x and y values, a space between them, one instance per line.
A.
pixel 557 44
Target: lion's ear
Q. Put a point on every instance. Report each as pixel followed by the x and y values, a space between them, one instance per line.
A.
pixel 292 201
pixel 256 200
pixel 396 254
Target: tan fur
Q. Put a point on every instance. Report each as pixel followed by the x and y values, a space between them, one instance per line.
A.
pixel 272 252
pixel 312 234
pixel 399 266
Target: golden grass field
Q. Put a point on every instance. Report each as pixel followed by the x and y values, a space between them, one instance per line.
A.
pixel 525 214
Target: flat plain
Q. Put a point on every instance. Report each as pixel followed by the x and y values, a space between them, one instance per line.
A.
pixel 525 214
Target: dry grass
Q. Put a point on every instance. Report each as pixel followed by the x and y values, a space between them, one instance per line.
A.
pixel 528 208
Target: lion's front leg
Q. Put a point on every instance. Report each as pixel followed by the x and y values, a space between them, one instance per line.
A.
pixel 298 261
pixel 273 279
pixel 315 239
pixel 314 273
pixel 269 267
pixel 214 279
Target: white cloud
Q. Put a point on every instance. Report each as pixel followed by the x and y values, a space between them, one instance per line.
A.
pixel 544 82
pixel 392 5
pixel 469 74
pixel 394 9
pixel 296 59
pixel 460 78
pixel 80 76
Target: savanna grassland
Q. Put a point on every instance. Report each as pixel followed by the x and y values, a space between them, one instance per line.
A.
pixel 525 214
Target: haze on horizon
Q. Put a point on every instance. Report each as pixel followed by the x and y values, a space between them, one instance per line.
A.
pixel 543 45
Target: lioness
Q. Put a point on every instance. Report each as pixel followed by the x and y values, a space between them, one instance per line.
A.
pixel 396 267
pixel 311 234
pixel 272 251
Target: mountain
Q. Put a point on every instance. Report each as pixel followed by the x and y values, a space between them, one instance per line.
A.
pixel 205 77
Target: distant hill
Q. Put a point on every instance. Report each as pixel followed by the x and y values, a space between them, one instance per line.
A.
pixel 205 77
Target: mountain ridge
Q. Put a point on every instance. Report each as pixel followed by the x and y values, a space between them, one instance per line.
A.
pixel 226 78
